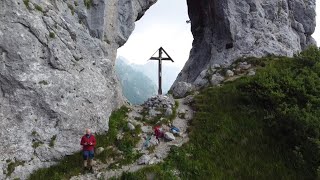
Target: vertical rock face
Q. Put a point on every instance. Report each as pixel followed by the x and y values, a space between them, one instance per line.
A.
pixel 57 75
pixel 225 30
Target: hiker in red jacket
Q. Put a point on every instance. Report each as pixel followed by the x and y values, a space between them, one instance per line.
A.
pixel 88 141
pixel 158 132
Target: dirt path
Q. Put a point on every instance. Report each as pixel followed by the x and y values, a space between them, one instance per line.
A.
pixel 160 152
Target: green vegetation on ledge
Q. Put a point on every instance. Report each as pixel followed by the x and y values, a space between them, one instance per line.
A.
pixel 261 127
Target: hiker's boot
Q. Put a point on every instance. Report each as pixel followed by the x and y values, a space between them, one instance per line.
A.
pixel 85 166
pixel 90 165
pixel 91 169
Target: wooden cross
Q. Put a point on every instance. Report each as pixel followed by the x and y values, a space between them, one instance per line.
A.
pixel 160 59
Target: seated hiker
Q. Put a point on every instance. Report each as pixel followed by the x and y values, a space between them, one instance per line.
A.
pixel 158 131
pixel 88 141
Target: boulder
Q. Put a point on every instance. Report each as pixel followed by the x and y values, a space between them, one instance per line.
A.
pixel 188 100
pixel 159 156
pixel 169 136
pixel 201 82
pixel 168 112
pixel 154 141
pixel 203 74
pixel 153 161
pixel 99 150
pixel 146 129
pixel 215 66
pixel 182 89
pixel 229 73
pixel 216 79
pixel 144 159
pixel 131 126
pixel 251 72
pixel 119 136
pixel 244 66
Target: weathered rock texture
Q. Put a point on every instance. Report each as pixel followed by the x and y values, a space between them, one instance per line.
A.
pixel 225 30
pixel 57 75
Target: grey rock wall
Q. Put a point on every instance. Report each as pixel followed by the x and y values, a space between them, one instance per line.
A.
pixel 225 30
pixel 57 75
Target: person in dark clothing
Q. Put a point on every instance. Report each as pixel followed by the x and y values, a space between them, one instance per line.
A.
pixel 88 142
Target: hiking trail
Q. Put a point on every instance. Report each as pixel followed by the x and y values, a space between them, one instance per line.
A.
pixel 160 152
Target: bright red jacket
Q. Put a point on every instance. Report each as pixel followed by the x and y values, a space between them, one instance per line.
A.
pixel 88 143
pixel 158 131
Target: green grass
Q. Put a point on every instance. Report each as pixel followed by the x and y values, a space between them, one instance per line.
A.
pixel 43 82
pixel 261 127
pixel 37 7
pixel 130 139
pixel 52 35
pixel 26 3
pixel 88 3
pixel 72 165
pixel 36 144
pixel 34 133
pixel 52 140
pixel 66 168
pixel 70 6
pixel 12 166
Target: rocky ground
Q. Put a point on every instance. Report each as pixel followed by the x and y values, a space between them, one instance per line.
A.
pixel 157 110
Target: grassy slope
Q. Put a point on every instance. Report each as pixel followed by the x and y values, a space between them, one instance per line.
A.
pixel 261 127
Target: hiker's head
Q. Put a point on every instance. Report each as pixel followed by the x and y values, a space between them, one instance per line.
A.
pixel 88 131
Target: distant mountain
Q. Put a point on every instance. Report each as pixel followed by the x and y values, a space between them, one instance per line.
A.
pixel 136 86
pixel 150 69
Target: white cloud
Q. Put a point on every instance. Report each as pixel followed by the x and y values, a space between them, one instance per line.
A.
pixel 164 26
pixel 316 34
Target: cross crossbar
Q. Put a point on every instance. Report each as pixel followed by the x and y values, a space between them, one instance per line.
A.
pixel 160 58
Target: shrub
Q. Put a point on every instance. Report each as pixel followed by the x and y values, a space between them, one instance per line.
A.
pixel 289 93
pixel 36 144
pixel 88 3
pixel 70 6
pixel 37 7
pixel 12 166
pixel 43 82
pixel 52 35
pixel 26 2
pixel 52 140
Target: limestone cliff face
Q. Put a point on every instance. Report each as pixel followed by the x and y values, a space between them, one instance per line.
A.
pixel 225 30
pixel 57 74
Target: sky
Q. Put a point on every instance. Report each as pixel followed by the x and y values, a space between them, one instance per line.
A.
pixel 164 24
pixel 316 34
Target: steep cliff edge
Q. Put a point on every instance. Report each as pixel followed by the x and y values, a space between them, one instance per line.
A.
pixel 57 75
pixel 225 30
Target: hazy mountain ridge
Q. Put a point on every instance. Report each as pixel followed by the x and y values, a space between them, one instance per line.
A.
pixel 136 86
